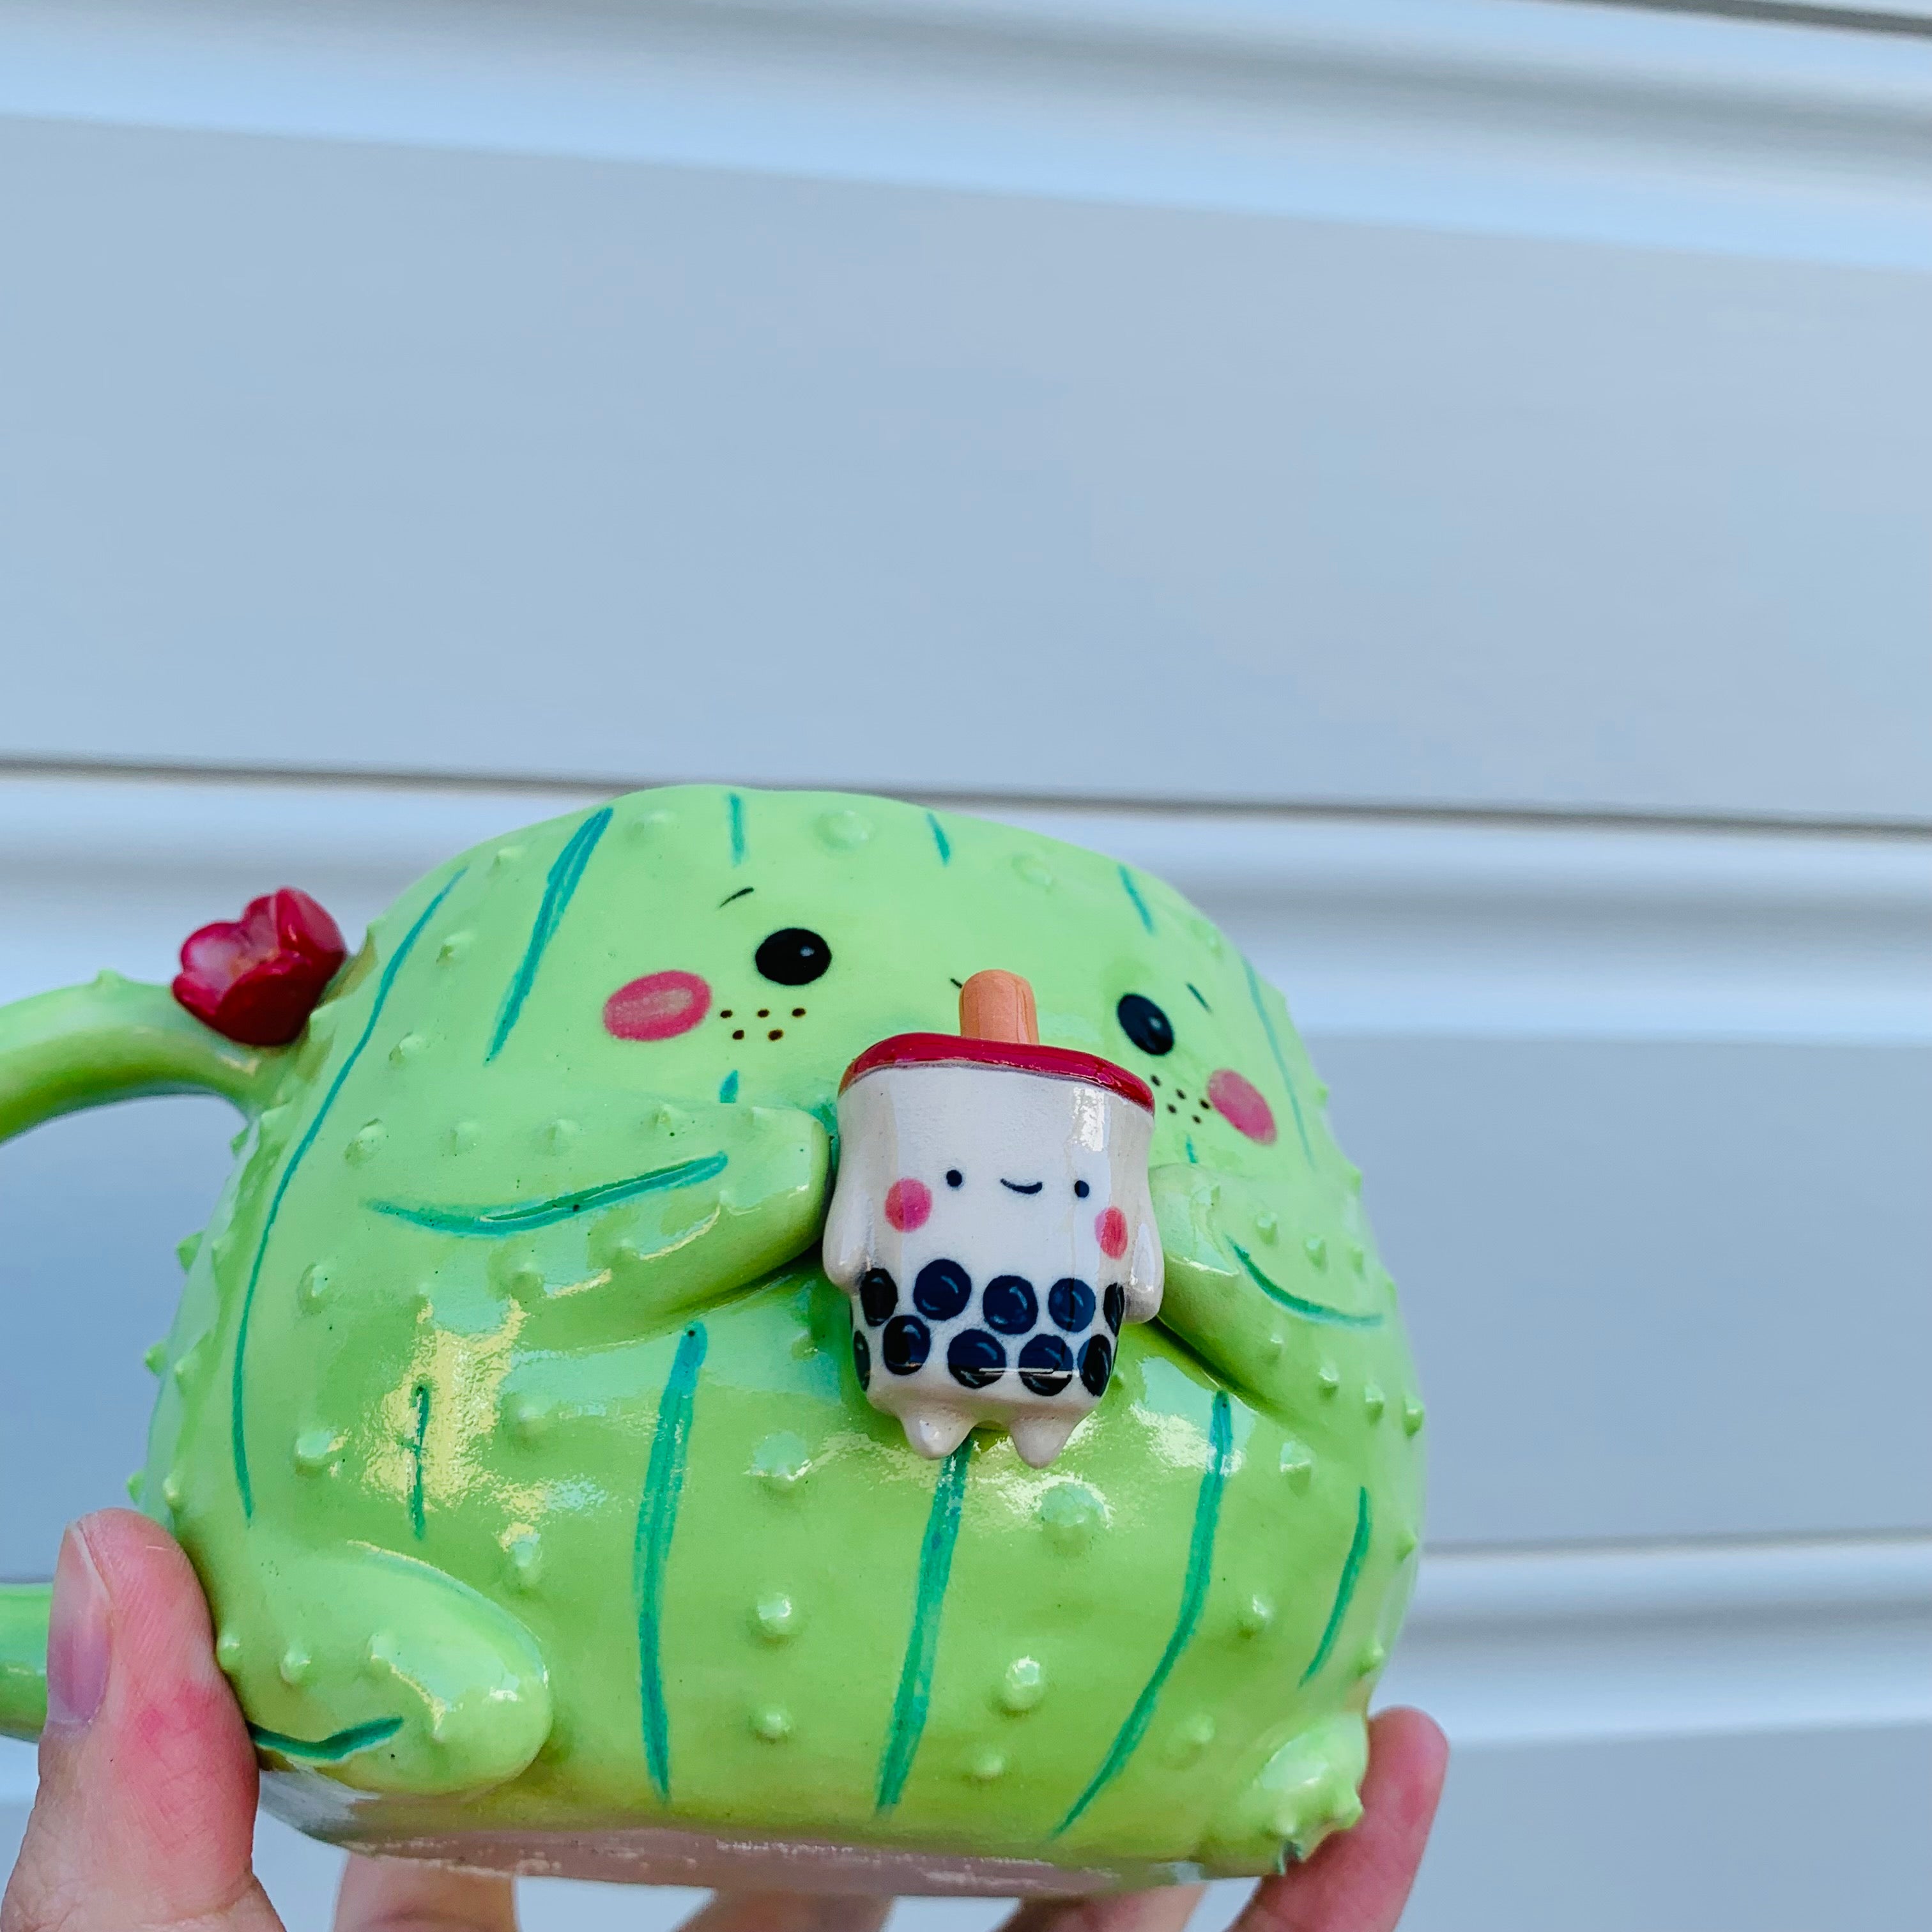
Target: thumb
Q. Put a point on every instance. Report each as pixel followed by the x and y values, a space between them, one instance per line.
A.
pixel 145 1815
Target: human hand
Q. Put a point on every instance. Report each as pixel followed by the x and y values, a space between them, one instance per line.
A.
pixel 145 1820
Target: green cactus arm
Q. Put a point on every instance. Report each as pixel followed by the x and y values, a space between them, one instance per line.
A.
pixel 1249 1306
pixel 23 1658
pixel 116 1039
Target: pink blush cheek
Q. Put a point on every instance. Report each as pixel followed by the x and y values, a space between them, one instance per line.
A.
pixel 908 1204
pixel 1239 1104
pixel 1111 1225
pixel 660 1005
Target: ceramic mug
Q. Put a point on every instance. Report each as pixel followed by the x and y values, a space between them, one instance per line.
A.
pixel 516 1431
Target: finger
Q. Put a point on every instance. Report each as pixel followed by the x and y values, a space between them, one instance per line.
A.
pixel 1360 1880
pixel 788 1912
pixel 402 1895
pixel 146 1814
pixel 1166 1910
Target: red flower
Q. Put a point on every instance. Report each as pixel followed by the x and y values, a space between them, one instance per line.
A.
pixel 256 979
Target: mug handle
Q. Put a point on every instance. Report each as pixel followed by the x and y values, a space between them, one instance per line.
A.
pixel 61 1052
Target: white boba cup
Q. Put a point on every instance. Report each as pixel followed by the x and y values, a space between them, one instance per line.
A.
pixel 992 1222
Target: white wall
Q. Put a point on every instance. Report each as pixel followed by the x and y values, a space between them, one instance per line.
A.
pixel 1445 484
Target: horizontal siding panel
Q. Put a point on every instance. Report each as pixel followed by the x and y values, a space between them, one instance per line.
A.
pixel 1662 1274
pixel 971 414
pixel 1374 926
pixel 1526 1646
pixel 1803 1830
pixel 1668 1289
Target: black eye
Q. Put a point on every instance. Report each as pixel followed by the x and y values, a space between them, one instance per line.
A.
pixel 1145 1024
pixel 1081 1190
pixel 954 1178
pixel 793 957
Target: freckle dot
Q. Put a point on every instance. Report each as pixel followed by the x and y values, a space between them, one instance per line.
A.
pixel 776 1032
pixel 1155 1078
pixel 1172 1108
pixel 726 1014
pixel 764 1013
pixel 798 1012
pixel 738 1034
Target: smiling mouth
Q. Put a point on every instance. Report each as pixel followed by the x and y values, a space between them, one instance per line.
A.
pixel 1023 1186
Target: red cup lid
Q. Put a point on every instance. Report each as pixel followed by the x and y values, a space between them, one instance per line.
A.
pixel 952 1049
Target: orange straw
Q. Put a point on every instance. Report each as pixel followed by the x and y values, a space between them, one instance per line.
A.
pixel 998 1006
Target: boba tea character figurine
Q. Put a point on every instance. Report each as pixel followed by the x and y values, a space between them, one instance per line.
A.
pixel 516 1432
pixel 992 1218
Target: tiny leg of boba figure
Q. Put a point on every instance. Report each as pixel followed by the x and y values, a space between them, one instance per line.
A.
pixel 1040 1437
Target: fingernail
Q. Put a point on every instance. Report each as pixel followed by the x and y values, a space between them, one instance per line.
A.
pixel 77 1635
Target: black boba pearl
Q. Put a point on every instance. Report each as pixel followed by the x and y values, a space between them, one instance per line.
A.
pixel 1096 1364
pixel 1010 1305
pixel 943 1287
pixel 862 1358
pixel 793 956
pixel 878 1294
pixel 1046 1365
pixel 1070 1303
pixel 1114 1305
pixel 1145 1024
pixel 975 1358
pixel 905 1344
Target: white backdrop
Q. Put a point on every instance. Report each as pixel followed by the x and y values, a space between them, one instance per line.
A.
pixel 1445 484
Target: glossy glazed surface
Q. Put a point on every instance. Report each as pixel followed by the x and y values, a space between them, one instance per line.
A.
pixel 515 1431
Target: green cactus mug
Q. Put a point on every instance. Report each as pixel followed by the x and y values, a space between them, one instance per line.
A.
pixel 515 1431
